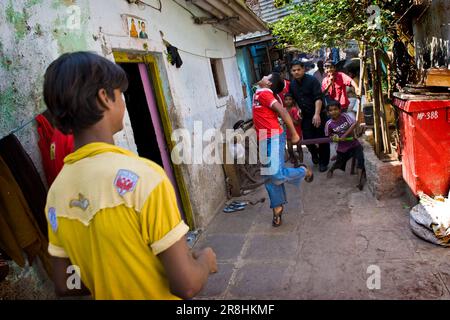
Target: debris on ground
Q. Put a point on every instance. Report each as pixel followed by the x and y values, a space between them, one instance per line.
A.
pixel 430 219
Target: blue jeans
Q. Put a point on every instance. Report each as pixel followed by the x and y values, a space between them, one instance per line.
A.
pixel 272 156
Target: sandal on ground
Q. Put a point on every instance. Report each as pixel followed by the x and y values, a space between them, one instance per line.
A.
pixel 233 208
pixel 276 220
pixel 239 203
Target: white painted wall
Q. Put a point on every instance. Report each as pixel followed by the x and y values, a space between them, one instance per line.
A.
pixel 192 86
pixel 103 30
pixel 34 32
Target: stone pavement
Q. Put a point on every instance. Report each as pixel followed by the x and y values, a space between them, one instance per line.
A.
pixel 331 234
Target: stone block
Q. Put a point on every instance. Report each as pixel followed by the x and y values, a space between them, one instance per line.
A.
pixel 384 179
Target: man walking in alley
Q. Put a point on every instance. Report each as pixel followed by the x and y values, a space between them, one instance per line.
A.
pixel 307 93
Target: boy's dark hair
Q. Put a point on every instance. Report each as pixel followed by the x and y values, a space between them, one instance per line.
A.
pixel 277 83
pixel 331 102
pixel 297 63
pixel 288 94
pixel 329 62
pixel 71 86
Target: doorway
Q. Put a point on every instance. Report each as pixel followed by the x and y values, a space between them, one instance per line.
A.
pixel 140 117
pixel 150 124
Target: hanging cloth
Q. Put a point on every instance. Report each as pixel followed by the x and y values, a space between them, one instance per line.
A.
pixel 19 231
pixel 176 58
pixel 27 178
pixel 54 146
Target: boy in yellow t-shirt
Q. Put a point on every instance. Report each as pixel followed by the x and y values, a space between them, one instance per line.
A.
pixel 113 216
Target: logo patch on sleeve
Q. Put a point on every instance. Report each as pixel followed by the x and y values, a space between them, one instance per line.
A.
pixel 125 181
pixel 52 218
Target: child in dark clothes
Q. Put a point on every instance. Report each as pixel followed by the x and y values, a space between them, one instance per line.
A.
pixel 295 113
pixel 341 126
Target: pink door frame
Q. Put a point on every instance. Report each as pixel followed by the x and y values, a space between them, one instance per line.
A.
pixel 159 131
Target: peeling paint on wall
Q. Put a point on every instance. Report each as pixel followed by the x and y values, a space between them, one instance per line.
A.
pixel 18 19
pixel 74 38
pixel 8 100
pixel 5 61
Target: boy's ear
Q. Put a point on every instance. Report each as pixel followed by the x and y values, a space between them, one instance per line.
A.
pixel 103 98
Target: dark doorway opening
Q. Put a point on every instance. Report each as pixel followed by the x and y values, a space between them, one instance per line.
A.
pixel 140 117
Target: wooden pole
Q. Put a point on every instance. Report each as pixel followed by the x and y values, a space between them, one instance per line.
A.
pixel 387 61
pixel 383 123
pixel 376 106
pixel 362 75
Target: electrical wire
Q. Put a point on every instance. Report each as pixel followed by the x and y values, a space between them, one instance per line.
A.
pixel 193 15
pixel 149 5
pixel 205 56
pixel 20 127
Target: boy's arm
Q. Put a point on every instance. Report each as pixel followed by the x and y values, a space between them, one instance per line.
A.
pixel 187 271
pixel 352 127
pixel 349 131
pixel 356 87
pixel 318 95
pixel 276 106
pixel 60 278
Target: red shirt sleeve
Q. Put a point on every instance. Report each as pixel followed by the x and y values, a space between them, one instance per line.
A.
pixel 267 99
pixel 294 114
pixel 346 80
pixel 324 83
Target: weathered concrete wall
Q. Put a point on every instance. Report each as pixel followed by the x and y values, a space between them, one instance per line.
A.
pixel 432 36
pixel 35 32
pixel 384 179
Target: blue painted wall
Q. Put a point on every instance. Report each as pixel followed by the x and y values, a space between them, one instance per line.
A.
pixel 247 78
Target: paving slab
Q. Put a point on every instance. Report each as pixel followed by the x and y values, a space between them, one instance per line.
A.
pixel 333 240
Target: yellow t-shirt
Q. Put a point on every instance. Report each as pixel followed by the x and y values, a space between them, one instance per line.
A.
pixel 112 213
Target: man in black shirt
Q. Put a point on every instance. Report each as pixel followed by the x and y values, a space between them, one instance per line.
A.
pixel 307 92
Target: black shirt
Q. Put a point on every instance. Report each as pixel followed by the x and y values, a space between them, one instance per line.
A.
pixel 306 93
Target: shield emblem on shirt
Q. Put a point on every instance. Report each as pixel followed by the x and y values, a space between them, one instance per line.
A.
pixel 125 181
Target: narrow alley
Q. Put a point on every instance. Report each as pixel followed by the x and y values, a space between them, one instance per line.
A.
pixel 331 234
pixel 131 129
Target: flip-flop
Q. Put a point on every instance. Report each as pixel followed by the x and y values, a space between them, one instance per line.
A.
pixel 239 203
pixel 229 209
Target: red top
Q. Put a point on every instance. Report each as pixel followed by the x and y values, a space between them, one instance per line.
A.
pixel 54 147
pixel 337 91
pixel 298 127
pixel 287 83
pixel 264 118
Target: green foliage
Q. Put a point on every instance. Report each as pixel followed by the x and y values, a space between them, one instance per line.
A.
pixel 317 23
pixel 281 3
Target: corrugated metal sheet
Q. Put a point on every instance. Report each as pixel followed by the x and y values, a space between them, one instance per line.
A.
pixel 232 14
pixel 266 10
pixel 269 13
